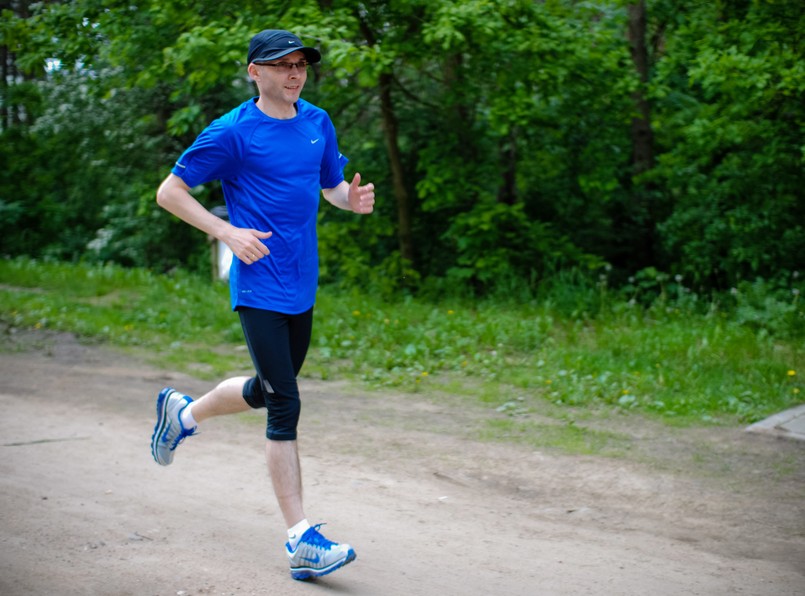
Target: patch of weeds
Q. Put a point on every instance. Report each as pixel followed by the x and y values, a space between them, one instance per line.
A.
pixel 565 437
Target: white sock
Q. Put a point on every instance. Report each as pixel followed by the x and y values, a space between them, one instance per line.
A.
pixel 295 533
pixel 186 417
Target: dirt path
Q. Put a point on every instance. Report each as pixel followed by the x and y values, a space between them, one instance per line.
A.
pixel 429 510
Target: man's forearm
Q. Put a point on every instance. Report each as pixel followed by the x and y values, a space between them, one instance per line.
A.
pixel 175 197
pixel 338 195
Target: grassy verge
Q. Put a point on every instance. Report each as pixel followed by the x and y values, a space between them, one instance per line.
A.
pixel 522 362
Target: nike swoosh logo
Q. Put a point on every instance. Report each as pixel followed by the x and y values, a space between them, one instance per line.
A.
pixel 314 561
pixel 314 141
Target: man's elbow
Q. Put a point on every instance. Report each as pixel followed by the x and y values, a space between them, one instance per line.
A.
pixel 160 198
pixel 163 195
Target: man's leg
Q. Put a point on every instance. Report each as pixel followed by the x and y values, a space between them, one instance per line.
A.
pixel 226 398
pixel 278 344
pixel 286 478
pixel 178 415
pixel 309 553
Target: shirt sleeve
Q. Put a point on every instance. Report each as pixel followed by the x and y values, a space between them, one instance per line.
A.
pixel 333 161
pixel 214 155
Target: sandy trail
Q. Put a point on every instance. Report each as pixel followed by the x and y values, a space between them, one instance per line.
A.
pixel 429 510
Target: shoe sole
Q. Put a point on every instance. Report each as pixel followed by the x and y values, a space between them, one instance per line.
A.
pixel 162 421
pixel 303 573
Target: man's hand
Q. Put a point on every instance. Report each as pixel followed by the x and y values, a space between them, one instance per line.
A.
pixel 361 199
pixel 247 244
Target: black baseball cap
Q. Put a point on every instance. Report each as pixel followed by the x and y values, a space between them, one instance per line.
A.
pixel 275 43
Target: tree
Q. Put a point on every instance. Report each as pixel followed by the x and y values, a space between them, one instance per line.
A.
pixel 729 111
pixel 507 138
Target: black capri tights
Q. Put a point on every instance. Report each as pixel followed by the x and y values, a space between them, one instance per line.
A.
pixel 278 344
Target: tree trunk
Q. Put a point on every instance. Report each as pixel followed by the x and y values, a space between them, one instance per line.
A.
pixel 640 222
pixel 7 59
pixel 391 133
pixel 5 117
pixel 507 193
pixel 642 137
pixel 403 199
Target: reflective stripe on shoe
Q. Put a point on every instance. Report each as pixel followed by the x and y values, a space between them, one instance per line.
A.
pixel 168 431
pixel 316 556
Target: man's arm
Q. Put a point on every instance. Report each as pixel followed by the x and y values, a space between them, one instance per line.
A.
pixel 352 196
pixel 174 196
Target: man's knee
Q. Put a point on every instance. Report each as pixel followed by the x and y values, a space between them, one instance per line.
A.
pixel 283 408
pixel 283 417
pixel 254 394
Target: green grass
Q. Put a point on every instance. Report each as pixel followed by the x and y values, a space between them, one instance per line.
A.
pixel 674 361
pixel 178 320
pixel 567 436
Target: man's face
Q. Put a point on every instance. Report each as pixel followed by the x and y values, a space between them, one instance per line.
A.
pixel 281 81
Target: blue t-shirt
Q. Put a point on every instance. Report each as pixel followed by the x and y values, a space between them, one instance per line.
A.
pixel 272 172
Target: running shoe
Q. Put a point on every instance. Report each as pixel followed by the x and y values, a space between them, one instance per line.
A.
pixel 315 556
pixel 169 432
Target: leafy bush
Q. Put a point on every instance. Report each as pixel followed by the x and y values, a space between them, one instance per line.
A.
pixel 770 309
pixel 494 244
pixel 729 93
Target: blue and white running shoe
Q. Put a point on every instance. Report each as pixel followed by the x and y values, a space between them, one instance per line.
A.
pixel 315 556
pixel 169 432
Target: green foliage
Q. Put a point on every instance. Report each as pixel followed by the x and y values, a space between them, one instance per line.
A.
pixel 496 242
pixel 513 129
pixel 771 310
pixel 354 253
pixel 729 93
pixel 86 203
pixel 671 358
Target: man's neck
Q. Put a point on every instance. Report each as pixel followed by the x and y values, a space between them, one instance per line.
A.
pixel 278 112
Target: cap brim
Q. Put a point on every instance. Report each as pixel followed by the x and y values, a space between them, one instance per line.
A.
pixel 312 55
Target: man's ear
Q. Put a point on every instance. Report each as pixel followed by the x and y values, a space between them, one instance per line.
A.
pixel 254 74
